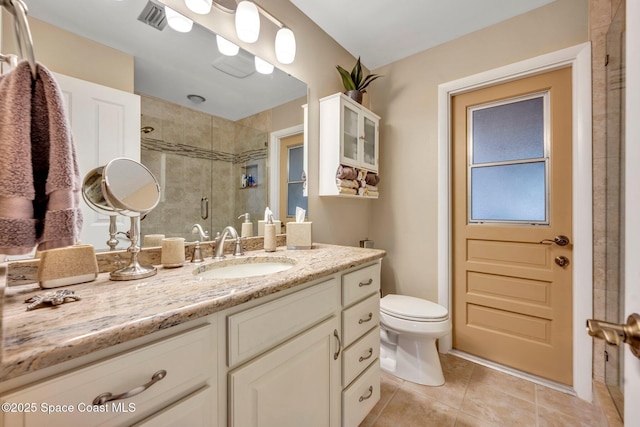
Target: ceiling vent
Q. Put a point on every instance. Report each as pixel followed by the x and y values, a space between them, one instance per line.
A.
pixel 239 66
pixel 153 15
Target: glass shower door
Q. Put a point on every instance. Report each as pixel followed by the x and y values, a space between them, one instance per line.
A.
pixel 615 174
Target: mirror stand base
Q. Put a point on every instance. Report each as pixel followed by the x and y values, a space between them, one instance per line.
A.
pixel 133 271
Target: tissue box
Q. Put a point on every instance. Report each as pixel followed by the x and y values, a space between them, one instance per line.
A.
pixel 67 266
pixel 261 223
pixel 299 235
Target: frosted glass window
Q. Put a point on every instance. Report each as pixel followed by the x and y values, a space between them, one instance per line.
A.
pixel 509 193
pixel 295 198
pixel 296 157
pixel 512 131
pixel 509 161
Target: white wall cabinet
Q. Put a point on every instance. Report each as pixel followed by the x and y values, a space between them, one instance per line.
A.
pixel 349 136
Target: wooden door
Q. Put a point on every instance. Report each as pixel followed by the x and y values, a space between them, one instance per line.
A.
pixel 512 197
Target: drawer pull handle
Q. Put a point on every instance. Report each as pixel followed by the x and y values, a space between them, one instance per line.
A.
pixel 361 321
pixel 368 356
pixel 108 397
pixel 337 353
pixel 365 397
pixel 367 283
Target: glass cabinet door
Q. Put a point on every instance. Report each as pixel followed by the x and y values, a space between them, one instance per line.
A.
pixel 370 143
pixel 349 147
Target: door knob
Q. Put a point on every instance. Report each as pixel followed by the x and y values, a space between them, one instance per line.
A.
pixel 562 261
pixel 559 240
pixel 614 333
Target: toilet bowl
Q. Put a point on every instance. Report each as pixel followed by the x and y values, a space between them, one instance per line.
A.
pixel 409 328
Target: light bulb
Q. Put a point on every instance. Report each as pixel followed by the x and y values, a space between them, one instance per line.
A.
pixel 247 21
pixel 178 22
pixel 226 47
pixel 262 66
pixel 201 7
pixel 285 46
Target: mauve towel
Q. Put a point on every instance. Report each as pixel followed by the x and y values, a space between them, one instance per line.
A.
pixel 39 177
pixel 346 172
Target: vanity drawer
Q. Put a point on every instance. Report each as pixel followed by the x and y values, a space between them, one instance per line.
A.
pixel 359 355
pixel 360 397
pixel 186 358
pixel 359 319
pixel 253 331
pixel 360 283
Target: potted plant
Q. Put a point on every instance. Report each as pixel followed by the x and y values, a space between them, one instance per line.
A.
pixel 354 82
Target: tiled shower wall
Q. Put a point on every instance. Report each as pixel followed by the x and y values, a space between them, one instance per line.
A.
pixel 195 155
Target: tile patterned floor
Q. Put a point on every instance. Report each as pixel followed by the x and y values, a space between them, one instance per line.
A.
pixel 476 396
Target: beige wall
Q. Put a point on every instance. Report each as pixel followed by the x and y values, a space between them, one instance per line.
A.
pixel 66 53
pixel 405 216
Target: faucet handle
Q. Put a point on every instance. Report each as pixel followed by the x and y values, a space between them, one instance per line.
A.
pixel 238 250
pixel 196 257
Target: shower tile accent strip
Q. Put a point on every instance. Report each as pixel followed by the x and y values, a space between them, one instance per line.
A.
pixel 200 153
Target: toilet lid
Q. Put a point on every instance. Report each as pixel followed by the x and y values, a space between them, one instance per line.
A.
pixel 411 308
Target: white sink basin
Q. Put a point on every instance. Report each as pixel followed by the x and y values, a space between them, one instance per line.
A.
pixel 244 267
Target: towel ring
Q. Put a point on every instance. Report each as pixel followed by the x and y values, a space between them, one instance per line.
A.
pixel 23 34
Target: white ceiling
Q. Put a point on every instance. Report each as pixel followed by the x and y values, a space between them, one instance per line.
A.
pixel 381 31
pixel 170 65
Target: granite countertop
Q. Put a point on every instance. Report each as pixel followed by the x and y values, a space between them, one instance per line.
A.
pixel 113 312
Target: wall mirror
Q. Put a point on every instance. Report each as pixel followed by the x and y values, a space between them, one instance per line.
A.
pixel 199 146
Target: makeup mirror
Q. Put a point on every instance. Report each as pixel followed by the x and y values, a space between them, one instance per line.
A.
pixel 124 187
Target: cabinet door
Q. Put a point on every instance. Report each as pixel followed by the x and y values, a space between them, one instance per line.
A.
pixel 296 384
pixel 350 147
pixel 369 142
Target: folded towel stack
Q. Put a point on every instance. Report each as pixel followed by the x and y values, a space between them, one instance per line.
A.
pixel 354 181
pixel 39 176
pixel 347 183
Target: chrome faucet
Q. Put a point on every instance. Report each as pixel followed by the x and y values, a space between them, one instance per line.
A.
pixel 219 251
pixel 197 229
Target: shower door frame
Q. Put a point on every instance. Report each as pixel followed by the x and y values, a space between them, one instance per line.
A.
pixel 579 58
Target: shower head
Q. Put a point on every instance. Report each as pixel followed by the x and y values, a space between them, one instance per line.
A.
pixel 147 129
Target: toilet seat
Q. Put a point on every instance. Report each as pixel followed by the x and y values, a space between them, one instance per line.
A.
pixel 412 309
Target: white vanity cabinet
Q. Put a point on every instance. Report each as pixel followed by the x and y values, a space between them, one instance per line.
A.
pixel 348 136
pixel 170 381
pixel 305 356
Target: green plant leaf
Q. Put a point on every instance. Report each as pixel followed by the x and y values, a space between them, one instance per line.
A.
pixel 367 81
pixel 347 81
pixel 356 73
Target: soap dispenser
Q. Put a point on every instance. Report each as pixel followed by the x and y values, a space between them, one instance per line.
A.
pixel 247 225
pixel 270 235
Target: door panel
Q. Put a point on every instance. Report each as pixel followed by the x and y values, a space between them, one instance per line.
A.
pixel 512 303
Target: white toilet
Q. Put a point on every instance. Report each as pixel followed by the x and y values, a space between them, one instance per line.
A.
pixel 409 328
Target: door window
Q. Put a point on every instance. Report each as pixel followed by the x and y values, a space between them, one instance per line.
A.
pixel 509 161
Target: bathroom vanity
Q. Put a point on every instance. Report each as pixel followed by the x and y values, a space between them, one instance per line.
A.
pixel 297 347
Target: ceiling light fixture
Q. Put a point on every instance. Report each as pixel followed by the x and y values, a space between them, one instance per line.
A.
pixel 177 21
pixel 226 47
pixel 285 45
pixel 201 7
pixel 247 21
pixel 262 66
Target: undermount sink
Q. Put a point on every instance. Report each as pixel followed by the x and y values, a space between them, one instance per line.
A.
pixel 244 267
